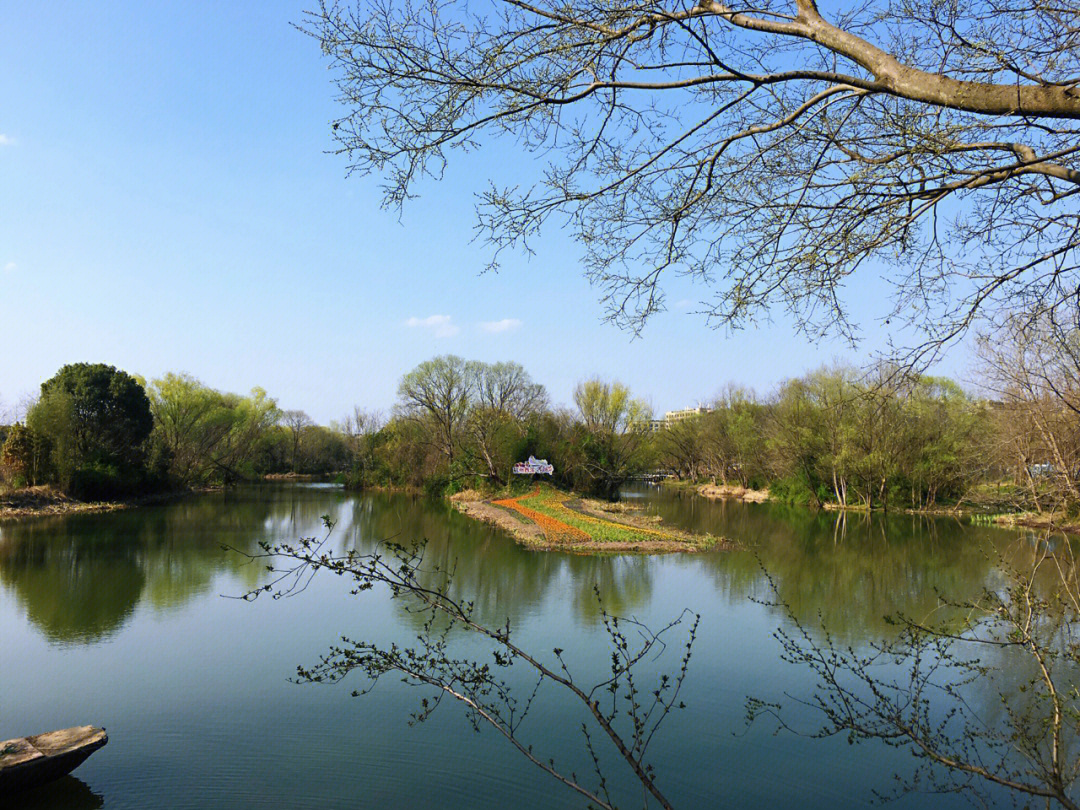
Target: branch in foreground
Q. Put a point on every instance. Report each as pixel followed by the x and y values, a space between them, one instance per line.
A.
pixel 626 707
pixel 983 694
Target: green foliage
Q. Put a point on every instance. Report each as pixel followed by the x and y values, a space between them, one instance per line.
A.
pixel 795 490
pixel 438 485
pixel 97 421
pixel 873 440
pixel 857 439
pixel 612 437
pixel 24 457
pixel 205 436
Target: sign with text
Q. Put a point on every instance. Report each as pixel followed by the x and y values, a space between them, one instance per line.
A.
pixel 534 466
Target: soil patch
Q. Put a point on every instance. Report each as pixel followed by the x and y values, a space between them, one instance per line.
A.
pixel 734 492
pixel 526 533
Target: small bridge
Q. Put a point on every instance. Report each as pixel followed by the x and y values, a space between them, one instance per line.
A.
pixel 652 477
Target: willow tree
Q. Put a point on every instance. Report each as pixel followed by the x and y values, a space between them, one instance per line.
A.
pixel 769 151
pixel 613 436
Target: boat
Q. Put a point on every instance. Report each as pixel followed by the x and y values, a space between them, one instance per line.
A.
pixel 27 762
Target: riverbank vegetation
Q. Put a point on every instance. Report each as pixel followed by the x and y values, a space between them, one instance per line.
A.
pixel 837 437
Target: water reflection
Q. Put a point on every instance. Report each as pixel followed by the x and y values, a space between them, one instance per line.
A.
pixel 203 710
pixel 68 792
pixel 852 570
pixel 71 593
pixel 80 578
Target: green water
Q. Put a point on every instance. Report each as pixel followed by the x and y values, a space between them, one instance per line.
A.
pixel 124 620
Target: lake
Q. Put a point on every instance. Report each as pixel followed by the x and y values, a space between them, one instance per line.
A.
pixel 125 620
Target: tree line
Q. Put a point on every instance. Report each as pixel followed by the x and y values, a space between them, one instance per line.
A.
pixel 98 432
pixel 835 436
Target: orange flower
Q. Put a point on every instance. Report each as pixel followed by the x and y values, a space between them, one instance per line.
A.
pixel 554 530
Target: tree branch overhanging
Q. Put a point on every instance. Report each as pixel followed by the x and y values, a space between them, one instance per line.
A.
pixel 766 153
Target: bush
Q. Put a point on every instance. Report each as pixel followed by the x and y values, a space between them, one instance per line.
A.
pixel 795 490
pixel 437 485
pixel 96 482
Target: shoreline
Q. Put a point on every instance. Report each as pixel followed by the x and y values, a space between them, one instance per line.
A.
pixel 972 514
pixel 40 501
pixel 1031 520
pixel 43 501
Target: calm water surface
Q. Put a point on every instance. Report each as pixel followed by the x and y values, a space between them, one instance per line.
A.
pixel 121 620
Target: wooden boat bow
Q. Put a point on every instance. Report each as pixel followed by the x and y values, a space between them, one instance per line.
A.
pixel 30 761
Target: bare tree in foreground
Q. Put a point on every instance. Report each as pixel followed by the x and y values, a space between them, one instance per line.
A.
pixel 624 710
pixel 1031 367
pixel 984 695
pixel 767 151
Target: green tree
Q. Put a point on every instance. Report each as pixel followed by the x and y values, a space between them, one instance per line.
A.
pixel 941 447
pixel 733 437
pixel 207 435
pixel 296 422
pixel 796 442
pixel 98 420
pixel 24 456
pixel 683 447
pixel 439 391
pixel 613 437
pixel 256 416
pixel 191 422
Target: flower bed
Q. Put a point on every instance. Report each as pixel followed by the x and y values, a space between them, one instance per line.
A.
pixel 554 505
pixel 567 523
pixel 555 530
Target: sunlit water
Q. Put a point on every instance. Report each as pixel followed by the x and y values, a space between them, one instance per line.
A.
pixel 124 620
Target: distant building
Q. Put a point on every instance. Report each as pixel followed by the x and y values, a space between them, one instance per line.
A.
pixel 671 417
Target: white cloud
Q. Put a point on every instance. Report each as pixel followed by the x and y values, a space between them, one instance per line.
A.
pixel 6 140
pixel 440 325
pixel 684 303
pixel 505 325
pixel 10 267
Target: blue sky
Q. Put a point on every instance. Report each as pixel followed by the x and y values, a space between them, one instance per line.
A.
pixel 167 204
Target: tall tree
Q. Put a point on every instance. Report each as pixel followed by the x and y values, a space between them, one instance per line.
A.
pixel 296 422
pixel 95 416
pixel 207 435
pixel 615 441
pixel 440 390
pixel 192 422
pixel 506 397
pixel 768 152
